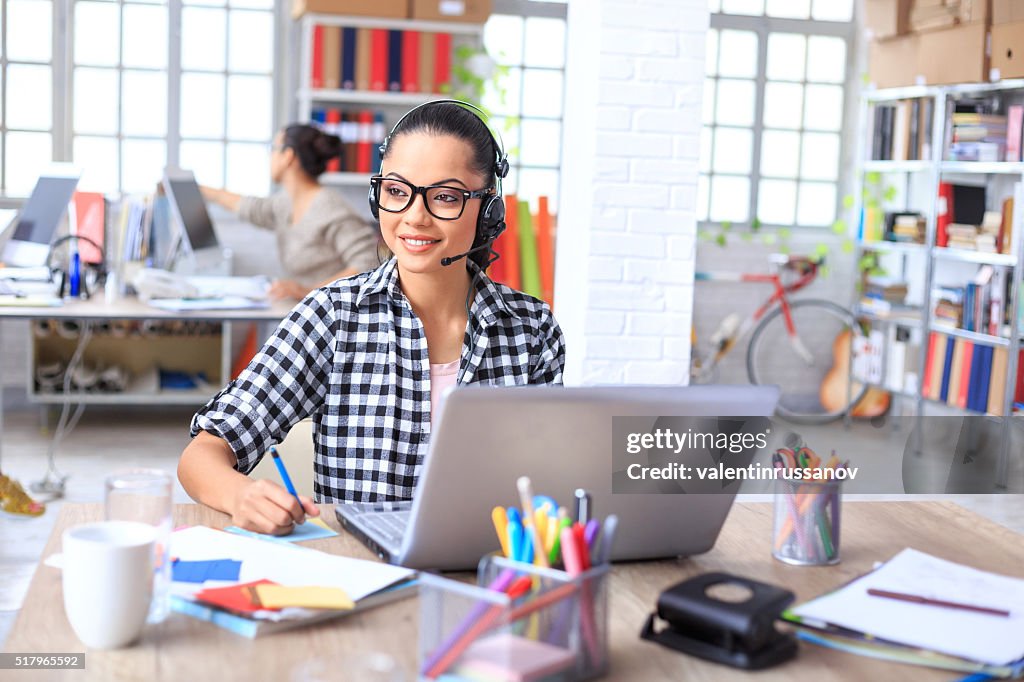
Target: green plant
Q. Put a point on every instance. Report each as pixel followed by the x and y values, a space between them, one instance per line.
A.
pixel 474 73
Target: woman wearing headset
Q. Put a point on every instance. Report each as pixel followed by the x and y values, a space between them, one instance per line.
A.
pixel 320 237
pixel 353 354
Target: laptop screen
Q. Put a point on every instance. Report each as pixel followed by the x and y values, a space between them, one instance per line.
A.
pixel 35 227
pixel 191 209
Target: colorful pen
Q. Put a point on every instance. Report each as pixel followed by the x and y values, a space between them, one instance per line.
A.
pixel 515 535
pixel 582 510
pixel 500 520
pixel 526 498
pixel 284 475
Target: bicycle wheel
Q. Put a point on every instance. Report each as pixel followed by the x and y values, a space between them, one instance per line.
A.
pixel 772 359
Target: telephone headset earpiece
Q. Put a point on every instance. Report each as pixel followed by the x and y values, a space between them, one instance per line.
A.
pixel 491 221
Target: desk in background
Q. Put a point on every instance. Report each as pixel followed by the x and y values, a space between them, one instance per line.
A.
pixel 98 310
pixel 183 648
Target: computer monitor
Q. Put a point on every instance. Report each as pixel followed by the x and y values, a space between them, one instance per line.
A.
pixel 37 223
pixel 199 240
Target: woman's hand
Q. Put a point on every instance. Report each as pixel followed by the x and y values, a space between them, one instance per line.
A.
pixel 266 507
pixel 287 288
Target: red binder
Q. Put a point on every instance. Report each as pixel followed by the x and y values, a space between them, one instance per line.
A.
pixel 508 243
pixel 443 62
pixel 545 251
pixel 410 61
pixel 378 59
pixel 333 120
pixel 364 154
pixel 316 79
pixel 945 214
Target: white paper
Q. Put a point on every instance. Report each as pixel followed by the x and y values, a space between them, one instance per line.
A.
pixel 284 564
pixel 247 287
pixel 992 639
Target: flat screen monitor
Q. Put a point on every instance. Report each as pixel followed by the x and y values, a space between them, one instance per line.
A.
pixel 35 226
pixel 189 209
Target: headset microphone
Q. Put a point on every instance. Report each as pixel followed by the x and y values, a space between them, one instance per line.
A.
pixel 448 260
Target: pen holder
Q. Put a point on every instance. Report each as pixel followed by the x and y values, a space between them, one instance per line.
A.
pixel 520 622
pixel 806 523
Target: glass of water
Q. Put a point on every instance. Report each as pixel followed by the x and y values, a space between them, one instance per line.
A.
pixel 144 495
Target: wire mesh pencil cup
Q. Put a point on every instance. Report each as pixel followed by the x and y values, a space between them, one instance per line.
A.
pixel 807 522
pixel 557 610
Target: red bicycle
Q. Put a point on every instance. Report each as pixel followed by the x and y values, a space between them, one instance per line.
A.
pixel 801 346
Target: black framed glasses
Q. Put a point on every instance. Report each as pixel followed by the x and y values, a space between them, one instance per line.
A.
pixel 442 202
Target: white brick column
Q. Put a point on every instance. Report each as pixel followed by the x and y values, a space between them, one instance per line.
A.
pixel 627 218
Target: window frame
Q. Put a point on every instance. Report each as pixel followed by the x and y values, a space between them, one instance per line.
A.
pixel 533 9
pixel 62 66
pixel 763 26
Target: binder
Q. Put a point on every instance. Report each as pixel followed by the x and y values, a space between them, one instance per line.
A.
pixel 964 384
pixel 378 59
pixel 947 366
pixel 333 125
pixel 316 79
pixel 443 63
pixel 427 58
pixel 363 57
pixel 348 58
pixel 395 58
pixel 509 242
pixel 332 57
pixel 410 61
pixel 545 251
pixel 528 264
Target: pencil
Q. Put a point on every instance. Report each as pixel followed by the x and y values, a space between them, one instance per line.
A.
pixel 284 474
pixel 916 599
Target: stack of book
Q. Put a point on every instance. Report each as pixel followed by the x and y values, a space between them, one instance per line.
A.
pixel 886 289
pixel 962 236
pixel 902 131
pixel 989 232
pixel 950 307
pixel 978 137
pixel 527 249
pixel 907 227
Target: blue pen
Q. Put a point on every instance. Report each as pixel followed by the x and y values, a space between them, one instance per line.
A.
pixel 284 475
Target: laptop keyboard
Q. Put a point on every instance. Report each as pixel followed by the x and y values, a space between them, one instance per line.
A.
pixel 389 525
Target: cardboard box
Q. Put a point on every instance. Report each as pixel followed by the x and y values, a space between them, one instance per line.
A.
pixel 1007 11
pixel 893 63
pixel 391 9
pixel 954 55
pixel 1008 51
pixel 887 18
pixel 928 15
pixel 469 11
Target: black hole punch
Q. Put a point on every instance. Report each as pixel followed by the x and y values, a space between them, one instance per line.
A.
pixel 729 592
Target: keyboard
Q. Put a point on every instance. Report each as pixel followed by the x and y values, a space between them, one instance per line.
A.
pixel 388 526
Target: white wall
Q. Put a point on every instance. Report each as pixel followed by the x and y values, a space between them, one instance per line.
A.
pixel 627 225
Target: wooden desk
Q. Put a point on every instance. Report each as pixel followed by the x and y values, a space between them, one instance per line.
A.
pixel 186 649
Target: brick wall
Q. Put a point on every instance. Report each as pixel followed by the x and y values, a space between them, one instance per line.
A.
pixel 624 289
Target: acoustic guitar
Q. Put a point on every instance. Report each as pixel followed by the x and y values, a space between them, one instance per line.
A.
pixel 833 393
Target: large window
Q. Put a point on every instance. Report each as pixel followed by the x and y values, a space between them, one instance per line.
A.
pixel 149 83
pixel 26 93
pixel 776 96
pixel 528 39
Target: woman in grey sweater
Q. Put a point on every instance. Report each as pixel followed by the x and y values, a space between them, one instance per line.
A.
pixel 320 237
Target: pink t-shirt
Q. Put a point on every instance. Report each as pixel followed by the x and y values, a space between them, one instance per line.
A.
pixel 441 377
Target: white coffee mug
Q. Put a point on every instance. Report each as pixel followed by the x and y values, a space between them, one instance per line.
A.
pixel 108 581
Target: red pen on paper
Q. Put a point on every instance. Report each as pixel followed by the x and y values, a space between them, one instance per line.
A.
pixel 927 601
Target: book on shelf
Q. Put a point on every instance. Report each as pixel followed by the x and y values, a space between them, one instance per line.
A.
pixel 316 74
pixel 331 57
pixel 364 53
pixel 969 375
pixel 361 132
pixel 1014 128
pixel 901 131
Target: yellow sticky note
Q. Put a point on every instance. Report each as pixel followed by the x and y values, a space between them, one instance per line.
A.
pixel 318 522
pixel 281 596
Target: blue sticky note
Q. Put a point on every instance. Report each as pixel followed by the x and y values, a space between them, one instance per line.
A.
pixel 201 571
pixel 302 532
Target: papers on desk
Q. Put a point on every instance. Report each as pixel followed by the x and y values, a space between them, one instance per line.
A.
pixel 30 301
pixel 979 638
pixel 178 305
pixel 366 583
pixel 254 288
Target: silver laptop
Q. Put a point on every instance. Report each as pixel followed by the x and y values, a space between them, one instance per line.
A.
pixel 487 437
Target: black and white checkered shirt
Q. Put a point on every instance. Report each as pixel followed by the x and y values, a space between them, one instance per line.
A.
pixel 353 356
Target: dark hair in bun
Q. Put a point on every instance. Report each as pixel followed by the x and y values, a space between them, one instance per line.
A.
pixel 312 146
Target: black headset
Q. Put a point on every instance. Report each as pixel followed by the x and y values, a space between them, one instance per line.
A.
pixel 98 270
pixel 491 221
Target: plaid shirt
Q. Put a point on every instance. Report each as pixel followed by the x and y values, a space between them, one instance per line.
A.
pixel 353 356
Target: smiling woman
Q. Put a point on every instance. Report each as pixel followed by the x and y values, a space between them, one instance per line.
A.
pixel 368 357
